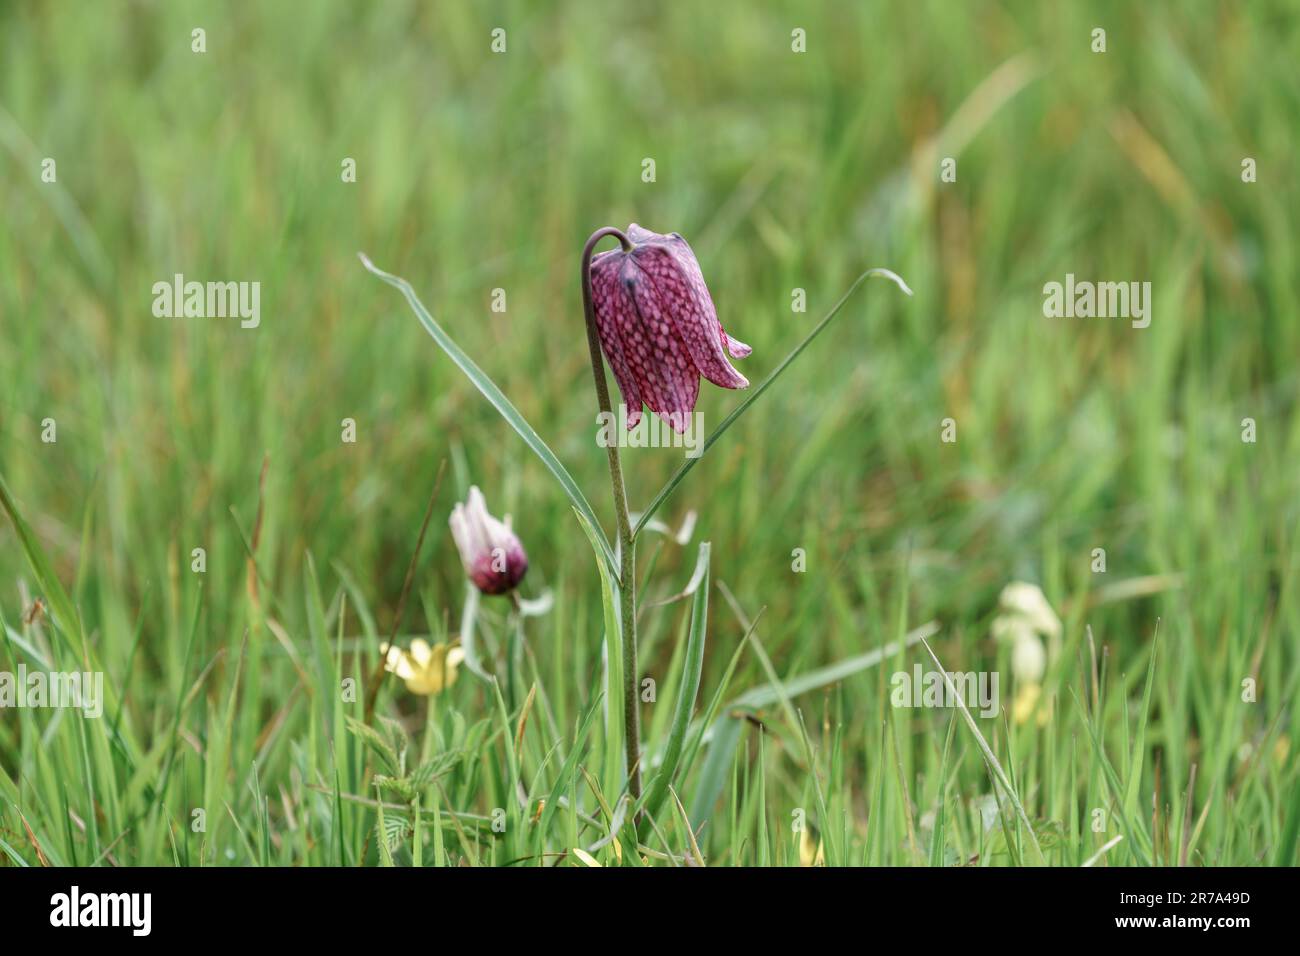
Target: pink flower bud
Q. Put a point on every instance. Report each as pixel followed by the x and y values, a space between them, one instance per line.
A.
pixel 491 553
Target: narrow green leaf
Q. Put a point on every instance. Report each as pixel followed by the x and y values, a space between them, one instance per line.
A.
pixel 503 406
pixel 65 614
pixel 14 856
pixel 1286 844
pixel 688 687
pixel 1140 738
pixel 715 704
pixel 724 738
pixel 769 694
pixel 753 395
pixel 564 781
pixel 938 836
pixel 512 809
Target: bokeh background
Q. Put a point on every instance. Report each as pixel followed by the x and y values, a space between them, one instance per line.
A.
pixel 785 170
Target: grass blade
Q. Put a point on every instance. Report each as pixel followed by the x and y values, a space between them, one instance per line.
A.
pixel 564 779
pixel 65 614
pixel 1140 844
pixel 769 694
pixel 989 757
pixel 1139 741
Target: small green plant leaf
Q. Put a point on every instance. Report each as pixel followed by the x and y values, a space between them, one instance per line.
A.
pixel 441 765
pixel 398 785
pixel 378 744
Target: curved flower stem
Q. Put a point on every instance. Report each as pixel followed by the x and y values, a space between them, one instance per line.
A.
pixel 627 543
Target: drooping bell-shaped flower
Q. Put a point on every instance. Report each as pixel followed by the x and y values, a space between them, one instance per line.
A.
pixel 492 555
pixel 658 327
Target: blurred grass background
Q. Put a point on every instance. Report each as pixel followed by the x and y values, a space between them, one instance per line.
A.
pixel 478 171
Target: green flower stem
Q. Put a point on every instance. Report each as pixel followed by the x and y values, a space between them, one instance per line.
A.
pixel 514 655
pixel 627 543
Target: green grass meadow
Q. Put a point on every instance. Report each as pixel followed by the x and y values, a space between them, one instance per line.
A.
pixel 234 727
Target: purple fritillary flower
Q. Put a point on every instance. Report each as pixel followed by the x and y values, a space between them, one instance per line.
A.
pixel 493 558
pixel 658 327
